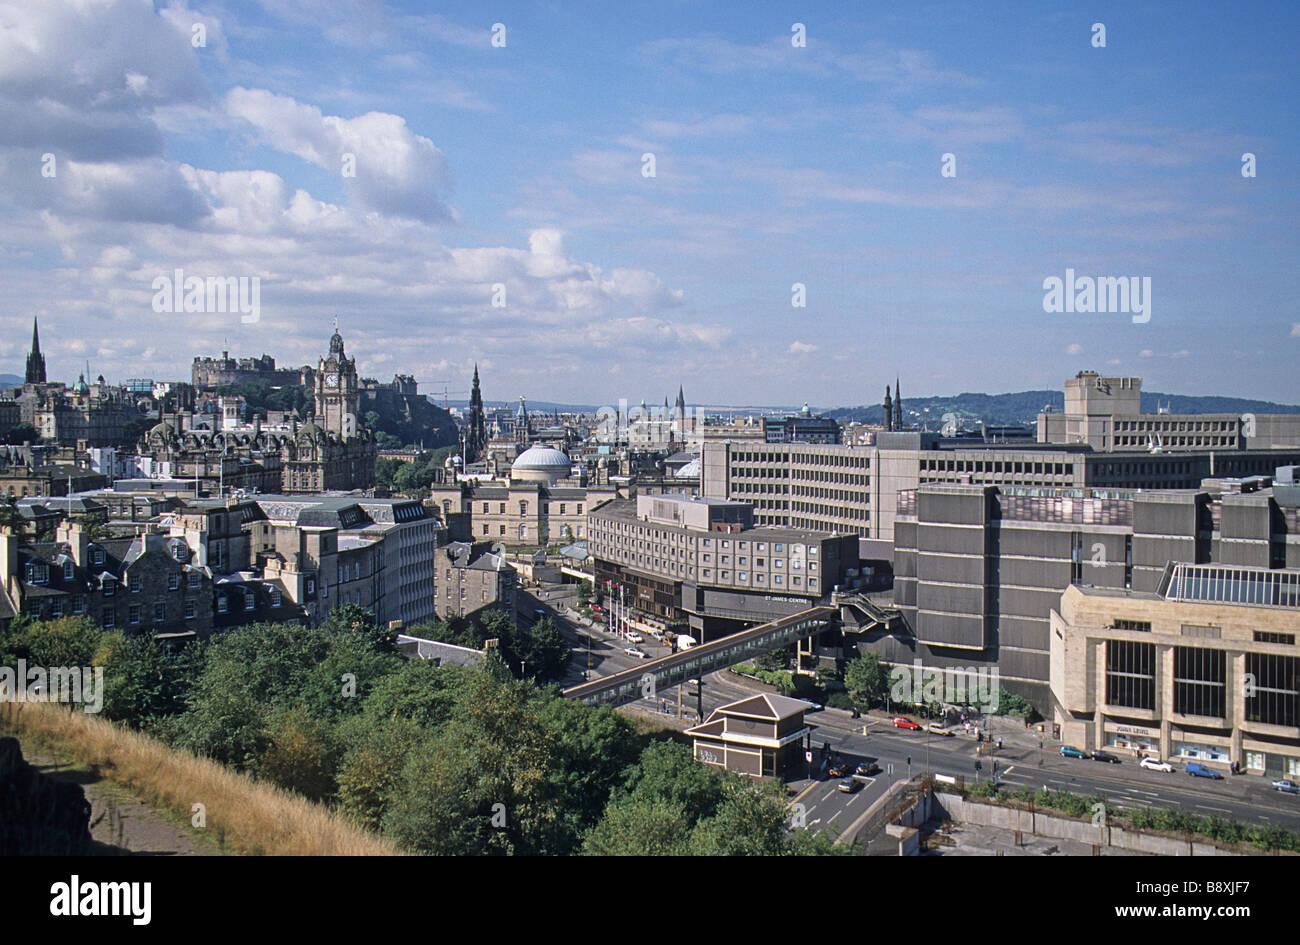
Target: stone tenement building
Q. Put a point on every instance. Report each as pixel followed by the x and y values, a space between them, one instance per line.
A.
pixel 333 453
pixel 147 583
pixel 470 577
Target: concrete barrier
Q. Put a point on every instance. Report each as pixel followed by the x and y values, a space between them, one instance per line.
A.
pixel 1042 823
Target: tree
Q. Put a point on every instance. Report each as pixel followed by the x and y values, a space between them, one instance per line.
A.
pixel 867 681
pixel 298 755
pixel 67 641
pixel 544 650
pixel 748 823
pixel 640 826
pixel 668 771
pixel 484 783
pixel 144 682
pixel 584 593
pixel 372 764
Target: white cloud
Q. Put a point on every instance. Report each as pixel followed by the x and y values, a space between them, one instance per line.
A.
pixel 801 347
pixel 397 172
pixel 1074 349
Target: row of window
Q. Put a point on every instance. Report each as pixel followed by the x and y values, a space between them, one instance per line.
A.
pixel 523 508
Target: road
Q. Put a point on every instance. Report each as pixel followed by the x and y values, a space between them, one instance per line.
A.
pixel 1247 798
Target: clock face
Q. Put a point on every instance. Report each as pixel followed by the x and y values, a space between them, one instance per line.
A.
pixel 331 381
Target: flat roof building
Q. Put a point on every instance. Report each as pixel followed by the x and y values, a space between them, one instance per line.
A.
pixel 978 570
pixel 1205 669
pixel 699 561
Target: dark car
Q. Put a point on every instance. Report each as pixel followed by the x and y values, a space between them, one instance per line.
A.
pixel 1069 751
pixel 1106 757
pixel 839 769
pixel 1200 771
pixel 867 769
pixel 849 785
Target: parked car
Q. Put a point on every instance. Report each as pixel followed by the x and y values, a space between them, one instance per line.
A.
pixel 635 638
pixel 904 722
pixel 849 785
pixel 1069 751
pixel 639 654
pixel 1200 771
pixel 939 728
pixel 1287 786
pixel 1155 764
pixel 1106 757
pixel 867 769
pixel 839 769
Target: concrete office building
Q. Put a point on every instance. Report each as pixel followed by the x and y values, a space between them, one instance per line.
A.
pixel 979 569
pixel 1205 668
pixel 376 553
pixel 856 488
pixel 1105 413
pixel 703 562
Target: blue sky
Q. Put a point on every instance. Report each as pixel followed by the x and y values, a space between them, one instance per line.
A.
pixel 521 165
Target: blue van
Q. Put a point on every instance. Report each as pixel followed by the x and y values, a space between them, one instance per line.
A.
pixel 1200 771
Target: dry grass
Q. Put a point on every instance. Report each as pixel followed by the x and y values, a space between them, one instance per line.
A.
pixel 244 815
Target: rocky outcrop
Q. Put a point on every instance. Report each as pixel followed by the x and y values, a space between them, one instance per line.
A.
pixel 39 815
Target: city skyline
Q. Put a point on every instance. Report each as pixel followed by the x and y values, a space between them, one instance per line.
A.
pixel 522 165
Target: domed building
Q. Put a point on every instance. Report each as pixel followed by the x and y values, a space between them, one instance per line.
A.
pixel 542 464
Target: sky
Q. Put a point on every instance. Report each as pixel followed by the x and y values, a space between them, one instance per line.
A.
pixel 596 201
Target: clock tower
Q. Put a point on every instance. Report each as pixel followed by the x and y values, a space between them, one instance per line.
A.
pixel 337 395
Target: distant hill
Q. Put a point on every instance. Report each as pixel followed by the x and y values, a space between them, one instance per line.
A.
pixel 11 380
pixel 1023 408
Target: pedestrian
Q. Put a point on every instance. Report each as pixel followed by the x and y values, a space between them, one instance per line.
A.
pixel 999 744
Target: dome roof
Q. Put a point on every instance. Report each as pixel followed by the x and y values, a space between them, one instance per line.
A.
pixel 689 471
pixel 542 457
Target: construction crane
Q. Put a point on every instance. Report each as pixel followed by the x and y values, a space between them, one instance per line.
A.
pixel 446 390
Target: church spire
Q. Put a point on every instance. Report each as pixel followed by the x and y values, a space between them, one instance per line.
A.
pixel 35 360
pixel 889 410
pixel 898 405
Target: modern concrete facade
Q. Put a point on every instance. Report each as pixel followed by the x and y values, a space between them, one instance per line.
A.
pixel 703 561
pixel 1105 413
pixel 1205 669
pixel 979 569
pixel 856 488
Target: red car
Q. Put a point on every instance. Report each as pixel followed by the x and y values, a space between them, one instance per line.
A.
pixel 904 722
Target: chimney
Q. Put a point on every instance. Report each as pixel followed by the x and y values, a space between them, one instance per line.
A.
pixel 74 536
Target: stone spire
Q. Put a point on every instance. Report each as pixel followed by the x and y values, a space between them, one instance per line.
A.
pixel 476 426
pixel 898 406
pixel 889 410
pixel 35 360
